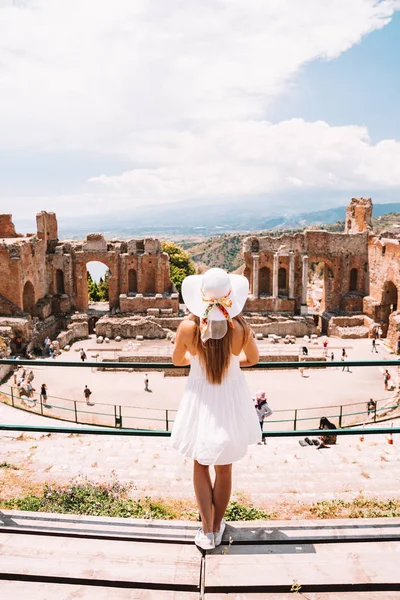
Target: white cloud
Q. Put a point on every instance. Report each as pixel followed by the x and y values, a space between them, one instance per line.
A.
pixel 183 90
pixel 248 158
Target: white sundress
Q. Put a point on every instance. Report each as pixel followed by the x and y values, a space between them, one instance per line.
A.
pixel 215 423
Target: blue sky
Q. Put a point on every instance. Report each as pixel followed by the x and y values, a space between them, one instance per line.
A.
pixel 362 86
pixel 107 108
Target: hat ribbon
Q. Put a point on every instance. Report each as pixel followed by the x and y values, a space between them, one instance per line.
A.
pixel 222 304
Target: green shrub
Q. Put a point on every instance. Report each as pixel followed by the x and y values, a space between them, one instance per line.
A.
pixel 241 512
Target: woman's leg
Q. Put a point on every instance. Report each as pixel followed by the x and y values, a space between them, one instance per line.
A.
pixel 204 495
pixel 221 493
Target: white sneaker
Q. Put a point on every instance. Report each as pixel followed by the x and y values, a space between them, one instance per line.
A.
pixel 219 534
pixel 204 540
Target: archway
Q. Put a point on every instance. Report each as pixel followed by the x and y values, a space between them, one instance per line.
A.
pixel 60 286
pixel 282 282
pixel 388 304
pixel 353 280
pixel 150 280
pixel 132 281
pixel 255 245
pixel 28 298
pixel 264 281
pixel 320 286
pixel 98 275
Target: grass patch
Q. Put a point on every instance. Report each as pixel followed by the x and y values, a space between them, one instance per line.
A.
pixel 95 499
pixel 6 465
pixel 243 512
pixel 113 499
pixel 359 508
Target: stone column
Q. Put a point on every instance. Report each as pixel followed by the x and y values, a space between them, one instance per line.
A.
pixel 256 259
pixel 275 272
pixel 291 274
pixel 139 274
pixel 304 285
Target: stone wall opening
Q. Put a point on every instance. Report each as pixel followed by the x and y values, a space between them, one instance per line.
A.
pixel 60 286
pixel 320 286
pixel 98 275
pixel 264 281
pixel 150 278
pixel 353 280
pixel 132 281
pixel 282 282
pixel 28 299
pixel 388 305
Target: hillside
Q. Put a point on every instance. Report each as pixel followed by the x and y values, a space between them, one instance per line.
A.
pixel 225 251
pixel 389 222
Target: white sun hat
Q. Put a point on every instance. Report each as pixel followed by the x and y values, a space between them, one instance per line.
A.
pixel 215 297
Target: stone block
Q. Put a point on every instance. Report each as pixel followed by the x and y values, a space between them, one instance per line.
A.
pixel 67 348
pixel 95 242
pixel 139 338
pixel 100 339
pixel 174 296
pixel 259 336
pixel 107 340
pixel 158 296
pixel 154 312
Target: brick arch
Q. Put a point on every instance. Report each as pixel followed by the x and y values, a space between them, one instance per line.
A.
pixel 329 300
pixel 264 281
pixel 389 303
pixel 28 298
pixel 353 285
pixel 60 283
pixel 80 278
pixel 132 281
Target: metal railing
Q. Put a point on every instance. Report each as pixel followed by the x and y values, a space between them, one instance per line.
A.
pixel 114 415
pixel 119 416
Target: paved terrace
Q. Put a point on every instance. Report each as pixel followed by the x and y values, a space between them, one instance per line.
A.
pixel 140 409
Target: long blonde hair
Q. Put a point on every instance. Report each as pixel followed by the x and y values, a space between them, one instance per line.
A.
pixel 215 355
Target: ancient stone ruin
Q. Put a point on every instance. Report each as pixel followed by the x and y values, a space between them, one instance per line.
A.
pixel 361 275
pixel 44 288
pixel 43 281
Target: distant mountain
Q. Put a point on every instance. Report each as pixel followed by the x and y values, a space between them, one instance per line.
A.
pixel 189 219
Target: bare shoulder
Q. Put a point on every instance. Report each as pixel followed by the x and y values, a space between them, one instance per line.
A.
pixel 238 335
pixel 187 328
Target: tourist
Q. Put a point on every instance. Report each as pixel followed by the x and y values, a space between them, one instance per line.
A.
pixel 47 342
pixel 305 350
pixel 51 350
pixel 374 348
pixel 332 356
pixel 327 439
pixel 216 420
pixel 43 395
pixel 263 409
pixel 87 393
pixel 325 345
pixel 386 379
pixel 146 382
pixel 371 406
pixel 82 355
pixel 343 359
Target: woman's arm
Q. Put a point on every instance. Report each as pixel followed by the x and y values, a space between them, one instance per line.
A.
pixel 249 355
pixel 184 337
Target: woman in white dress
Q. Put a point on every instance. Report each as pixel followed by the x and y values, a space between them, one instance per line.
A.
pixel 216 420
